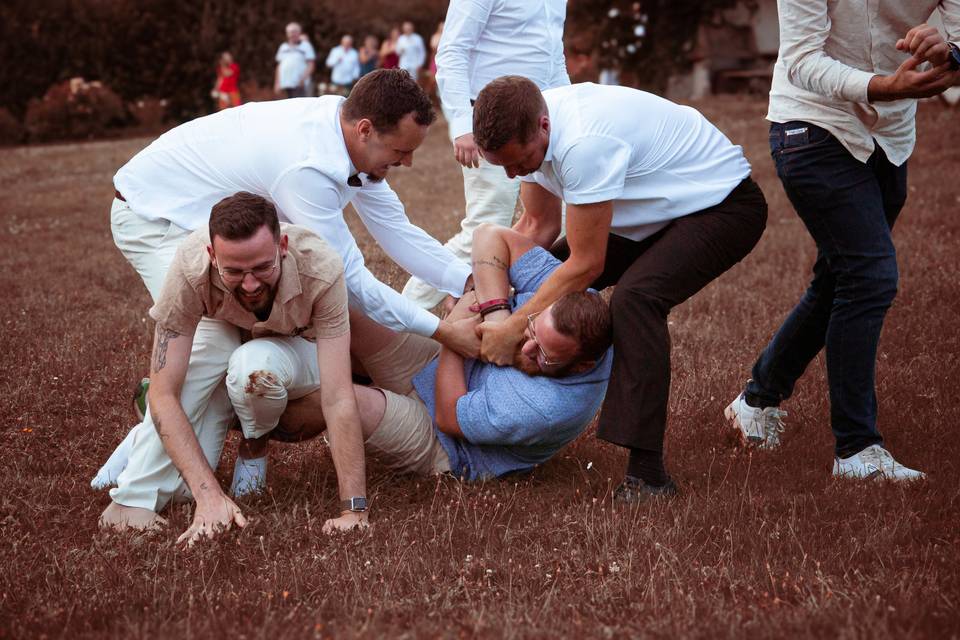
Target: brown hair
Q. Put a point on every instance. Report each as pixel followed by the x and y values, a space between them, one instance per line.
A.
pixel 507 109
pixel 384 97
pixel 585 317
pixel 241 215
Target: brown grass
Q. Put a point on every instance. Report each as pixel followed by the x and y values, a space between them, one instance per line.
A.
pixel 763 545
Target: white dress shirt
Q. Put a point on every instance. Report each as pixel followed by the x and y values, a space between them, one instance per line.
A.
pixel 656 160
pixel 485 39
pixel 345 65
pixel 293 61
pixel 293 153
pixel 412 52
pixel 829 51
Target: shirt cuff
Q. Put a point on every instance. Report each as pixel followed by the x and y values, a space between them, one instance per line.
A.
pixel 461 125
pixel 424 324
pixel 855 86
pixel 454 278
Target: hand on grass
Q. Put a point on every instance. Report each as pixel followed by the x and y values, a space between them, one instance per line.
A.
pixel 348 521
pixel 212 517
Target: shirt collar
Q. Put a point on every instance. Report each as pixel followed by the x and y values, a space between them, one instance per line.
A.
pixel 350 169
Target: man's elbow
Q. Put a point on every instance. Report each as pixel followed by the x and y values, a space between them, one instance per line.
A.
pixel 448 424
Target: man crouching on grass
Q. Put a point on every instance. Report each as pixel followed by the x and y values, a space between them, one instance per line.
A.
pixel 257 278
pixel 433 411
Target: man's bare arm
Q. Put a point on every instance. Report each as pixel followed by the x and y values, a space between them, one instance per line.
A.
pixel 339 406
pixel 588 227
pixel 171 357
pixel 542 213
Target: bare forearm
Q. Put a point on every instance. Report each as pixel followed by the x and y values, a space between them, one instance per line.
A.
pixel 451 386
pixel 181 444
pixel 542 230
pixel 346 445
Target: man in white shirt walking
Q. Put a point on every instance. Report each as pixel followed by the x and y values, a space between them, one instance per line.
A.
pixel 310 158
pixel 344 62
pixel 295 64
pixel 412 51
pixel 659 202
pixel 842 109
pixel 479 45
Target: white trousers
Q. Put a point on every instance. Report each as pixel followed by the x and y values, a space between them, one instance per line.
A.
pixel 264 374
pixel 490 197
pixel 150 479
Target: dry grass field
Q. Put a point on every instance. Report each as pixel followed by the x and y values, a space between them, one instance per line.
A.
pixel 761 545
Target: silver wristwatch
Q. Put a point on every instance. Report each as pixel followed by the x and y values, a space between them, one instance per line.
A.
pixel 356 504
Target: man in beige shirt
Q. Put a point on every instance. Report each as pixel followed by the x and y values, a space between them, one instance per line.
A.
pixel 266 282
pixel 842 107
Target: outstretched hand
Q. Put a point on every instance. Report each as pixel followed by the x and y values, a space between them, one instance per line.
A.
pixel 212 517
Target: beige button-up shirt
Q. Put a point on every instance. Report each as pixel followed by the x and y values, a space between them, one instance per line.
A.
pixel 311 299
pixel 828 53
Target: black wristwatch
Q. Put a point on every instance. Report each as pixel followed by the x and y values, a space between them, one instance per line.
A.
pixel 356 504
pixel 954 56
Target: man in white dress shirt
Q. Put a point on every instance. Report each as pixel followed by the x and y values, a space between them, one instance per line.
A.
pixel 295 64
pixel 412 51
pixel 344 62
pixel 310 158
pixel 842 109
pixel 479 44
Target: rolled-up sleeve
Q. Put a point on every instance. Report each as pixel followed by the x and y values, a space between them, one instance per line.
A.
pixel 309 198
pixel 804 28
pixel 465 22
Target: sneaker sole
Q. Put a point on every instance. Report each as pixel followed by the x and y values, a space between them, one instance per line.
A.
pixel 750 441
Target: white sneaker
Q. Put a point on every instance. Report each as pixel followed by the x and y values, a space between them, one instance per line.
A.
pixel 249 476
pixel 874 462
pixel 757 427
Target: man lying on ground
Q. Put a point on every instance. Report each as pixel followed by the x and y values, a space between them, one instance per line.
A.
pixel 433 411
pixel 257 278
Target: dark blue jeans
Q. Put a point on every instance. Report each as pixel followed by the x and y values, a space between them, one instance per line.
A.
pixel 849 207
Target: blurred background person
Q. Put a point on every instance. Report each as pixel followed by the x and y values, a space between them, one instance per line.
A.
pixel 295 63
pixel 389 58
pixel 344 64
pixel 412 51
pixel 226 88
pixel 429 83
pixel 369 55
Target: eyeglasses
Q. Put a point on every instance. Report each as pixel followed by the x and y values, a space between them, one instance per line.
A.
pixel 261 272
pixel 545 361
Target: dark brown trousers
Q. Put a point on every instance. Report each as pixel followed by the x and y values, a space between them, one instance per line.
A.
pixel 653 276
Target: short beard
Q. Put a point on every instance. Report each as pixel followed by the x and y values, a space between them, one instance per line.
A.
pixel 260 308
pixel 532 369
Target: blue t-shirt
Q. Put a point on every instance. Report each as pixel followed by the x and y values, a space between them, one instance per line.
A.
pixel 511 421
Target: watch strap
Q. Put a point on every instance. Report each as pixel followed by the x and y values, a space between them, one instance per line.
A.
pixel 356 504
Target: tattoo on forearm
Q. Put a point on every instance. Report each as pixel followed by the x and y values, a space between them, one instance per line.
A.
pixel 164 335
pixel 159 429
pixel 493 261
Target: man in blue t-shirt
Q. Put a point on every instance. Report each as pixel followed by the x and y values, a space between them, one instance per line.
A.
pixel 432 411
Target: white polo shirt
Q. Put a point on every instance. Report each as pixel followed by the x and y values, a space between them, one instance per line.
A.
pixel 485 39
pixel 656 160
pixel 293 59
pixel 291 152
